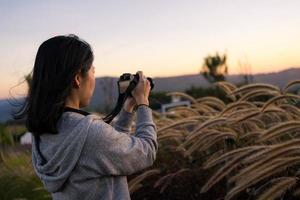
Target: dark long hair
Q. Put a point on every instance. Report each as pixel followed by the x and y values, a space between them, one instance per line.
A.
pixel 57 62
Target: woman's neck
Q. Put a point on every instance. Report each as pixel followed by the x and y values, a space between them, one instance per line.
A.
pixel 72 103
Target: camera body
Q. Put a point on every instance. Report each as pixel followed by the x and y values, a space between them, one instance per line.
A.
pixel 130 80
pixel 126 83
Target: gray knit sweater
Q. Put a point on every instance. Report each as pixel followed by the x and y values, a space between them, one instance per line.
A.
pixel 89 159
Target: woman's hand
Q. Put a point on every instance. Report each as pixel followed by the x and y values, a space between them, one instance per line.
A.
pixel 141 92
pixel 129 104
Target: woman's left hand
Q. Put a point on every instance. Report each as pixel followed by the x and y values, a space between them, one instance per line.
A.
pixel 129 104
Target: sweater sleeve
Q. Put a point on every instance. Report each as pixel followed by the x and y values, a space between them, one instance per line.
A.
pixel 123 122
pixel 116 153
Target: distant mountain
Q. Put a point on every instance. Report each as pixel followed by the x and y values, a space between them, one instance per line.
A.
pixel 5 110
pixel 106 91
pixel 7 107
pixel 181 83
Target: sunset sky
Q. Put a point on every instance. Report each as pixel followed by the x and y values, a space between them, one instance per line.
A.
pixel 160 37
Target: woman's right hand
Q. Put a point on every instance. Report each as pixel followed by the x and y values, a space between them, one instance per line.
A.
pixel 141 92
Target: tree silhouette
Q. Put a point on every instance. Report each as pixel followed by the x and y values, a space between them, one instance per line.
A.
pixel 214 68
pixel 246 71
pixel 28 79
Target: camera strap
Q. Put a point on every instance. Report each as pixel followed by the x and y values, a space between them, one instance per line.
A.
pixel 123 96
pixel 120 102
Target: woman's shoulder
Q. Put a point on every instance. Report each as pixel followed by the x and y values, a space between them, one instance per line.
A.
pixel 100 134
pixel 96 123
pixel 73 119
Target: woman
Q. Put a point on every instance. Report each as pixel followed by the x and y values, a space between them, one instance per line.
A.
pixel 74 153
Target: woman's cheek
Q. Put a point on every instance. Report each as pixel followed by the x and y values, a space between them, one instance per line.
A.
pixel 93 86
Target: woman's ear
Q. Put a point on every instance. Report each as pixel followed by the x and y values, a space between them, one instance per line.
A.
pixel 77 81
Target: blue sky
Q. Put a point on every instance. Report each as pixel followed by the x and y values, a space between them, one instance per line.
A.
pixel 162 38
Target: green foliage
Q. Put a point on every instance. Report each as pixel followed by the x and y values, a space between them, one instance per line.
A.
pixel 156 99
pixel 28 79
pixel 17 178
pixel 5 137
pixel 10 133
pixel 198 92
pixel 159 98
pixel 214 68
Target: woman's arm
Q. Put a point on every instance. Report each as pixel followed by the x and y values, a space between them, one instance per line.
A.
pixel 124 120
pixel 116 153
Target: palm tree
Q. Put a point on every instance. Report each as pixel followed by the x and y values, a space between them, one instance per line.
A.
pixel 214 68
pixel 28 79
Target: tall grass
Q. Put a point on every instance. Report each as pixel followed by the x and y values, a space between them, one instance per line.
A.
pixel 247 145
pixel 252 143
pixel 17 178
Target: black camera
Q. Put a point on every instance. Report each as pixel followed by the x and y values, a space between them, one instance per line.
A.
pixel 127 82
